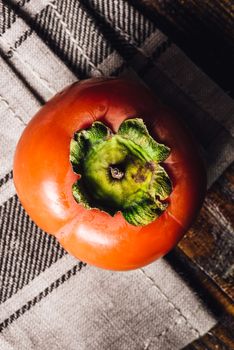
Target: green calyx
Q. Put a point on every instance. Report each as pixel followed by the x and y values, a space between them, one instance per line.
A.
pixel 121 172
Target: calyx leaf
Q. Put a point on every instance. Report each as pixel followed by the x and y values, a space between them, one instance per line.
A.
pixel 144 212
pixel 135 129
pixel 120 172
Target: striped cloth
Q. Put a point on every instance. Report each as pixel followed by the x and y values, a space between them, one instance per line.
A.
pixel 49 300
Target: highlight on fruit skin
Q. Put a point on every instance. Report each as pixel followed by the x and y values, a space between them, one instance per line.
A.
pixel 112 173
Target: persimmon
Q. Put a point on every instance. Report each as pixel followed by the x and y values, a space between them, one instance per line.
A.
pixel 111 172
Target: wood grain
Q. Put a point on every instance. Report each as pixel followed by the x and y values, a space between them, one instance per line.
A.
pixel 208 248
pixel 220 337
pixel 210 242
pixel 205 259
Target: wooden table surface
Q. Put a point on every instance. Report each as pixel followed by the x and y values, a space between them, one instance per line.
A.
pixel 204 30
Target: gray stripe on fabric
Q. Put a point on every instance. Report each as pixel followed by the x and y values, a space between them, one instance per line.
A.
pixel 9 11
pixel 16 105
pixel 135 30
pixel 73 42
pixel 25 250
pixel 116 38
pixel 24 58
pixel 123 42
pixel 62 30
pixel 22 38
pixel 78 24
pixel 124 310
pixel 30 7
pixel 26 307
pixel 39 283
pixel 6 178
pixel 7 16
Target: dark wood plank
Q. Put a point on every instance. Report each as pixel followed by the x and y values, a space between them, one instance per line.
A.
pixel 209 244
pixel 204 30
pixel 205 256
pixel 221 337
